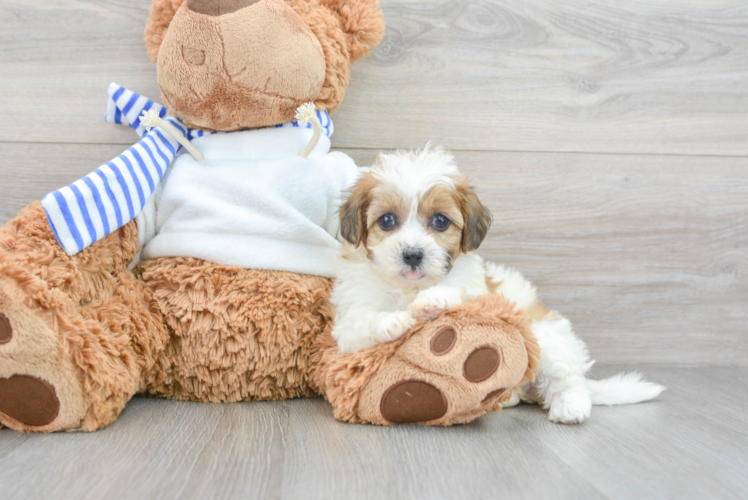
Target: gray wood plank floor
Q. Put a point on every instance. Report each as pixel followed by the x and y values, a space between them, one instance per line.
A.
pixel 690 443
pixel 654 76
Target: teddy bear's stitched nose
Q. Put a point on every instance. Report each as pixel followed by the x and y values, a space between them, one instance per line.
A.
pixel 218 7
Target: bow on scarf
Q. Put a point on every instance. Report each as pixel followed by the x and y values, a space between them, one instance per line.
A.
pixel 115 193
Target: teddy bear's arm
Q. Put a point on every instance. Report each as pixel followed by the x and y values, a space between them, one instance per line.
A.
pixel 115 193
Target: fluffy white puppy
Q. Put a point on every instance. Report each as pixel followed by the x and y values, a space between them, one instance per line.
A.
pixel 411 226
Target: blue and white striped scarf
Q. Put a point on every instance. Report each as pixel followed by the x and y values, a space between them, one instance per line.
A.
pixel 115 193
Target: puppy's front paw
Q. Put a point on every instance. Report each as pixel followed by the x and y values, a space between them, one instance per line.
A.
pixel 570 407
pixel 433 301
pixel 394 326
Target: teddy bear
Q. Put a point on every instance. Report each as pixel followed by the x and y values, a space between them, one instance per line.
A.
pixel 198 264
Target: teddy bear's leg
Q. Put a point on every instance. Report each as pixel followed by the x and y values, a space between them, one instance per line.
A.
pixel 75 332
pixel 236 334
pixel 447 371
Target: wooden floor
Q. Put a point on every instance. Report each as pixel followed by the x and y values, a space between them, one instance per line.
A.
pixel 692 443
pixel 610 141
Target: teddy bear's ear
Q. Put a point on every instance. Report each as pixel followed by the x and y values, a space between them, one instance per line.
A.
pixel 162 12
pixel 362 23
pixel 347 30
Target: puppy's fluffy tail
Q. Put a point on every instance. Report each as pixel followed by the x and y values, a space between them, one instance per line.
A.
pixel 622 389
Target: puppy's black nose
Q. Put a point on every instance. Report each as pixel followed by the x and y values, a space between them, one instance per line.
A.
pixel 413 257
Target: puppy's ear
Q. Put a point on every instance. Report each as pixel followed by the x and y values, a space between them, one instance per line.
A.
pixel 477 217
pixel 353 212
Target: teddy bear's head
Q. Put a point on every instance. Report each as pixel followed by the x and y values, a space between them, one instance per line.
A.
pixel 237 64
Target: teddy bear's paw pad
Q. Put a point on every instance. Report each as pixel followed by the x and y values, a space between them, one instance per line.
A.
pixel 29 400
pixel 413 401
pixel 481 364
pixel 443 342
pixel 25 332
pixel 449 371
pixel 6 330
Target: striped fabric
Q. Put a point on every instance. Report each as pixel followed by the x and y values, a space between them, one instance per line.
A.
pixel 115 193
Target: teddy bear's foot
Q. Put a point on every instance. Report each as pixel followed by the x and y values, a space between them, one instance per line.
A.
pixel 450 372
pixel 73 330
pixel 39 389
pixel 447 371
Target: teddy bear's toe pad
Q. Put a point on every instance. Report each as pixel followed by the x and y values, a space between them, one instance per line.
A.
pixel 443 341
pixel 453 375
pixel 6 331
pixel 29 400
pixel 413 401
pixel 481 364
pixel 447 371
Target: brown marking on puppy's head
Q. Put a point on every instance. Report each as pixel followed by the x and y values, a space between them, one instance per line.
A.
pixel 476 215
pixel 384 200
pixel 353 226
pixel 441 200
pixel 414 214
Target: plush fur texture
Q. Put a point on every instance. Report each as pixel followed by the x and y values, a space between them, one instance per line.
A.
pixel 306 56
pixel 250 68
pixel 236 334
pixel 162 12
pixel 355 383
pixel 187 329
pixel 82 323
pixel 86 334
pixel 179 328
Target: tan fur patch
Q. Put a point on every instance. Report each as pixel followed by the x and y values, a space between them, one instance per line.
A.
pixel 353 383
pixel 477 217
pixel 344 33
pixel 537 312
pixel 492 285
pixel 384 200
pixel 353 225
pixel 204 66
pixel 442 200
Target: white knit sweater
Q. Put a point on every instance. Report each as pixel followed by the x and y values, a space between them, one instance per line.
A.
pixel 252 202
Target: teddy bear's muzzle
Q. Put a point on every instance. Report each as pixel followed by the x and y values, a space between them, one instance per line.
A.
pixel 236 64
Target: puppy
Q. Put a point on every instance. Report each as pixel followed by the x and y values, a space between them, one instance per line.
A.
pixel 410 227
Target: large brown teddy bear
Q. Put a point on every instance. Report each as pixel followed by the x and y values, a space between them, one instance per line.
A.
pixel 81 334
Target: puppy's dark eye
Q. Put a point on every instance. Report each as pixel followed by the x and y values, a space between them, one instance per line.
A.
pixel 387 222
pixel 440 222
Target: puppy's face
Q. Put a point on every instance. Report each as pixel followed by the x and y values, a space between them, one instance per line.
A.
pixel 414 214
